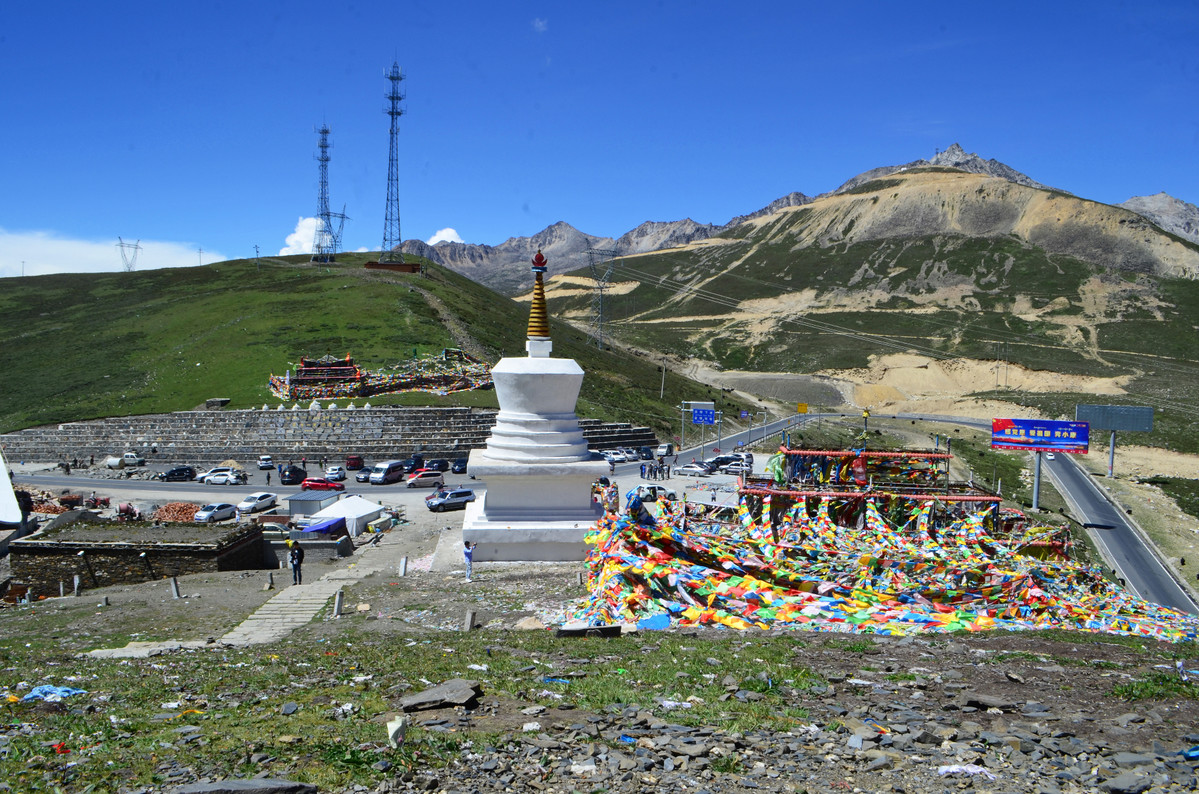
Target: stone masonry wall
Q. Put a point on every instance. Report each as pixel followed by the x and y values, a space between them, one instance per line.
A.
pixel 42 564
pixel 208 437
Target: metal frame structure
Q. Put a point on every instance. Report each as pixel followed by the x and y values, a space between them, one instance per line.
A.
pixel 130 261
pixel 391 252
pixel 596 259
pixel 324 240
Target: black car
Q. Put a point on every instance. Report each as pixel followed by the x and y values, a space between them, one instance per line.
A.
pixel 438 464
pixel 459 466
pixel 178 474
pixel 413 463
pixel 646 453
pixel 292 475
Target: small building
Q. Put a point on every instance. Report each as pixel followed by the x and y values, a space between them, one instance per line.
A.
pixel 307 503
pixel 356 510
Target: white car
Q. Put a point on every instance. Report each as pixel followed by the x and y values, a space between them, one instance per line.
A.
pixel 225 478
pixel 691 470
pixel 426 478
pixel 738 467
pixel 257 501
pixel 335 473
pixel 265 462
pixel 203 477
pixel 616 455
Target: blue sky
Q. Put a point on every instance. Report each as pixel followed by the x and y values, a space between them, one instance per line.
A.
pixel 191 126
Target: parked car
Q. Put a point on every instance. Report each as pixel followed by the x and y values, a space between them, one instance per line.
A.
pixel 455 499
pixel 363 476
pixel 335 473
pixel 438 464
pixel 413 463
pixel 321 484
pixel 665 450
pixel 720 461
pixel 614 455
pixel 210 472
pixel 691 470
pixel 225 478
pixel 292 475
pixel 651 493
pixel 459 466
pixel 426 478
pixel 257 501
pixel 265 462
pixel 738 467
pixel 215 512
pixel 178 474
pixel 645 453
pixel 355 462
pixel 387 472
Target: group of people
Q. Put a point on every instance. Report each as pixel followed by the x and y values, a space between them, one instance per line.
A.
pixel 655 471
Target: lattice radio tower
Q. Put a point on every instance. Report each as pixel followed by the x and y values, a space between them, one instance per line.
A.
pixel 602 262
pixel 130 261
pixel 324 242
pixel 391 225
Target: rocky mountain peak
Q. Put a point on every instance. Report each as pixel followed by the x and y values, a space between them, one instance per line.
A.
pixel 1170 214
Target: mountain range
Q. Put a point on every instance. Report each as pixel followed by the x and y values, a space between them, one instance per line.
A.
pixel 502 267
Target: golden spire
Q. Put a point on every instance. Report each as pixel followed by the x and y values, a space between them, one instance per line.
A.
pixel 539 321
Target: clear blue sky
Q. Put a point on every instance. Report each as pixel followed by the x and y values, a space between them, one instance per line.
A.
pixel 192 125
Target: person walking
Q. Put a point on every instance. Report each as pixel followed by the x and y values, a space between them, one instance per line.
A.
pixel 468 551
pixel 296 558
pixel 268 477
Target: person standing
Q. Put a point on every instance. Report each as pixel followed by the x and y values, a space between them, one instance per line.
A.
pixel 468 551
pixel 296 558
pixel 268 477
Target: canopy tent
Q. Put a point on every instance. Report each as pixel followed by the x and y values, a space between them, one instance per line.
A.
pixel 333 526
pixel 357 512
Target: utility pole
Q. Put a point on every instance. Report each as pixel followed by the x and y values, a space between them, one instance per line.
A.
pixel 200 254
pixel 661 391
pixel 257 263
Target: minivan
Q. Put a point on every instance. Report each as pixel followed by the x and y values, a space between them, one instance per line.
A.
pixel 387 472
pixel 665 450
pixel 355 462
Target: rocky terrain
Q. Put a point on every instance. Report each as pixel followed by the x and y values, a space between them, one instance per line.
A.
pixel 502 266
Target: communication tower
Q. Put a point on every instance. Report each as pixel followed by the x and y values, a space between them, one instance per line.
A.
pixel 130 261
pixel 323 248
pixel 602 262
pixel 391 225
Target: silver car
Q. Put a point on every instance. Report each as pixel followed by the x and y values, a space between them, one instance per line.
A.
pixel 454 499
pixel 257 501
pixel 215 512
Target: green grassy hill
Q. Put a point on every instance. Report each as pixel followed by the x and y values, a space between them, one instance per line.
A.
pixel 83 346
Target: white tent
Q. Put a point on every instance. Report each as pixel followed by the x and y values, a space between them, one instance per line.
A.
pixel 357 511
pixel 10 511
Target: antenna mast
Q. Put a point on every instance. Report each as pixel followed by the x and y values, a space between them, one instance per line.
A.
pixel 130 261
pixel 391 225
pixel 324 246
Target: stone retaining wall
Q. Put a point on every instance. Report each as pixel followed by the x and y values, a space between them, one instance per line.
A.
pixel 42 563
pixel 205 438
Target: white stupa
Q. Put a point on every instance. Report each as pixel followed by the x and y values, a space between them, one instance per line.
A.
pixel 537 466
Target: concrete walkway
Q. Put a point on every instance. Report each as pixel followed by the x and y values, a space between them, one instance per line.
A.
pixel 293 607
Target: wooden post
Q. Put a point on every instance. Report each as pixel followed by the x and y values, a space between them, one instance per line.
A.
pixel 175 587
pixel 579 577
pixel 469 622
pixel 62 588
pixel 403 566
pixel 337 600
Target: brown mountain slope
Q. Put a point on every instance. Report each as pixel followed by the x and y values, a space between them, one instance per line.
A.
pixel 934 201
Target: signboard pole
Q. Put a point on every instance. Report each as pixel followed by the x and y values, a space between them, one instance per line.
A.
pixel 1111 456
pixel 1036 484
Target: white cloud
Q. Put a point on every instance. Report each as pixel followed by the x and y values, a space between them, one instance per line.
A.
pixel 540 25
pixel 445 235
pixel 45 252
pixel 300 241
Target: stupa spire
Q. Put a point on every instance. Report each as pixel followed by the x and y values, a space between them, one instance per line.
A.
pixel 539 320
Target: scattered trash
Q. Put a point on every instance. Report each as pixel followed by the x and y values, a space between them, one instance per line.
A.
pixel 1191 754
pixel 964 769
pixel 548 680
pixel 480 667
pixel 675 704
pixel 397 729
pixel 51 693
